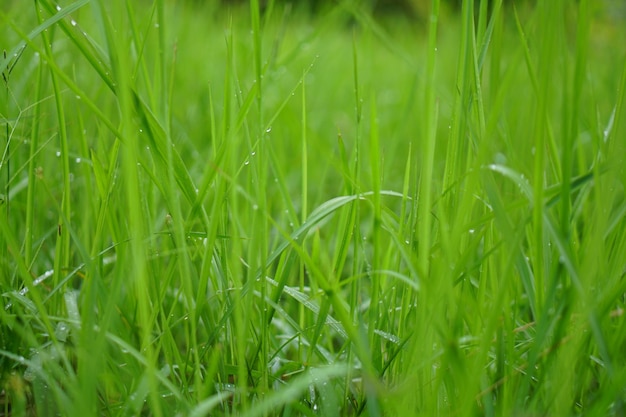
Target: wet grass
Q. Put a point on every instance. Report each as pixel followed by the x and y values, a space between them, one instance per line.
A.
pixel 256 212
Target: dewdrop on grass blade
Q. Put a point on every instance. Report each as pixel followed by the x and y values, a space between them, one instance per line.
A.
pixel 609 127
pixel 62 331
pixel 500 158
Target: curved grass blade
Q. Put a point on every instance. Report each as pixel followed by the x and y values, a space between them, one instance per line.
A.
pixel 6 61
pixel 286 395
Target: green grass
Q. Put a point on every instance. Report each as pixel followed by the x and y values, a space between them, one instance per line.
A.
pixel 258 212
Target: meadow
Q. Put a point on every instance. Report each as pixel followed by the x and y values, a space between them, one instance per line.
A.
pixel 250 210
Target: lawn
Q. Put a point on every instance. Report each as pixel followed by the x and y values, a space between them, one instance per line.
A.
pixel 252 210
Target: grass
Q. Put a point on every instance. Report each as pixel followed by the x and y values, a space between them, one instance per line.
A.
pixel 258 212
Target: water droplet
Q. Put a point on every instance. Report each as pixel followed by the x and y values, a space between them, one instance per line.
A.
pixel 247 162
pixel 253 153
pixel 255 207
pixel 500 158
pixel 78 160
pixel 58 154
pixel 62 331
pixel 73 22
pixel 471 231
pixel 29 374
pixel 268 130
pixel 58 8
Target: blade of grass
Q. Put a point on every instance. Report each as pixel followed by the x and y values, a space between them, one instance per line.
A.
pixel 430 133
pixel 58 15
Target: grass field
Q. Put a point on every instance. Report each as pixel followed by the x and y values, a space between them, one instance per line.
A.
pixel 236 211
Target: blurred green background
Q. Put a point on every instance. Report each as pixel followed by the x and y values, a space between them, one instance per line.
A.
pixel 615 9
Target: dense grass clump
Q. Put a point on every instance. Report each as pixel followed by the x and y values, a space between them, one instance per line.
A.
pixel 254 211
